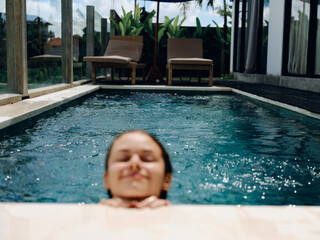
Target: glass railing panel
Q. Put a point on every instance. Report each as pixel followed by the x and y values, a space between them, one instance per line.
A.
pixel 44 43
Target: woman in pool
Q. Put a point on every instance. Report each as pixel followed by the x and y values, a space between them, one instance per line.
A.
pixel 138 171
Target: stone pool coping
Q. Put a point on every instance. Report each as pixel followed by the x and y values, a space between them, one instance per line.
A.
pixel 94 221
pixel 69 221
pixel 17 112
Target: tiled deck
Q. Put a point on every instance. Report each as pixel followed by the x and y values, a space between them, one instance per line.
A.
pixel 295 97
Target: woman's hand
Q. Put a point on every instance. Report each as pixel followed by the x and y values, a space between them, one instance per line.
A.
pixel 151 202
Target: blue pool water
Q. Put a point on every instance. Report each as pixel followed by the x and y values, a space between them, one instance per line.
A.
pixel 225 149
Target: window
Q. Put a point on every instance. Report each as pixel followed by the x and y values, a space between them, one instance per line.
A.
pixel 317 56
pixel 301 38
pixel 298 37
pixel 240 35
pixel 263 37
pixel 243 20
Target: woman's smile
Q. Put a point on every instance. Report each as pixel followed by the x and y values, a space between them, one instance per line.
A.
pixel 135 175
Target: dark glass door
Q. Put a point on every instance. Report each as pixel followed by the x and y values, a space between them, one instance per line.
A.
pixel 302 38
pixel 243 10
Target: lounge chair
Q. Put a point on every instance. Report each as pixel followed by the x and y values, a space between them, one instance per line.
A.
pixel 187 54
pixel 121 52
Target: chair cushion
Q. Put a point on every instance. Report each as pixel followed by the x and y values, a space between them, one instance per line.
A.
pixel 108 59
pixel 128 49
pixel 191 61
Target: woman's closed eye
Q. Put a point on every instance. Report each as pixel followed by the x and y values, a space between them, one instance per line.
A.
pixel 143 158
pixel 123 158
pixel 148 158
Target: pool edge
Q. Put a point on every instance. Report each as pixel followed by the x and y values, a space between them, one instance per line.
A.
pixel 72 221
pixel 17 112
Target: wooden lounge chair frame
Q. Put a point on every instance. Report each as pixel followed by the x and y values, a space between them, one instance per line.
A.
pixel 187 54
pixel 100 62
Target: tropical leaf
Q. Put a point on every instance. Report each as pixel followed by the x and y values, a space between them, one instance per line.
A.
pixel 137 14
pixel 179 33
pixel 123 12
pixel 160 33
pixel 175 23
pixel 115 24
pixel 182 22
pixel 138 31
pixel 122 29
pixel 206 30
pixel 174 29
pixel 150 16
pixel 199 28
pixel 219 32
pixel 132 31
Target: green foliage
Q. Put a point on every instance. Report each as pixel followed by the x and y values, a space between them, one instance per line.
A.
pixel 147 26
pixel 221 39
pixel 225 12
pixel 175 30
pixel 200 33
pixel 129 24
pixel 163 28
pixel 45 74
pixel 3 75
pixel 2 26
pixel 34 43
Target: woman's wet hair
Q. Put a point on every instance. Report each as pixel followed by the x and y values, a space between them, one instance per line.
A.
pixel 165 156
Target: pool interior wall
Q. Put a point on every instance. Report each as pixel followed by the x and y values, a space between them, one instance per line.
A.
pixel 38 221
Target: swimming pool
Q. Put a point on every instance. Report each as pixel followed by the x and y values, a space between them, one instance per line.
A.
pixel 224 149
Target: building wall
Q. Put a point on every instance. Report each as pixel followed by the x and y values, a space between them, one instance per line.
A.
pixel 276 45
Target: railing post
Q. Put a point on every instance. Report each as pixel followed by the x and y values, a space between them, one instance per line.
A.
pixel 67 43
pixel 11 73
pixel 17 47
pixel 90 37
pixel 104 39
pixel 113 14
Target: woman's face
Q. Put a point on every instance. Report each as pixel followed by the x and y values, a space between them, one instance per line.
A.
pixel 136 168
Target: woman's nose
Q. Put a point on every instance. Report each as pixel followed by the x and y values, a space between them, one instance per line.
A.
pixel 135 161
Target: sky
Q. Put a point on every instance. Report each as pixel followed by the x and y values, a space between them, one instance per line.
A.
pixel 50 10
